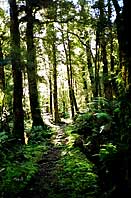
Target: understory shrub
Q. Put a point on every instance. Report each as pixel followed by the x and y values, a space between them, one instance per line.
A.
pixel 104 134
pixel 19 163
pixel 38 135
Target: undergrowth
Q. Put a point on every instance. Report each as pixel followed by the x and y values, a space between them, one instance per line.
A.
pixel 75 174
pixel 19 163
pixel 76 177
pixel 100 135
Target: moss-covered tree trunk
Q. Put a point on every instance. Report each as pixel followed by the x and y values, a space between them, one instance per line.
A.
pixel 127 36
pixel 31 69
pixel 127 48
pixel 18 128
pixel 2 74
pixel 101 28
pixel 120 31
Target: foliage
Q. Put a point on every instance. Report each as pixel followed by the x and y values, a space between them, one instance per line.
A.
pixel 99 57
pixel 38 135
pixel 16 175
pixel 84 124
pixel 107 151
pixel 99 104
pixel 103 116
pixel 105 146
pixel 75 175
pixel 3 137
pixel 18 163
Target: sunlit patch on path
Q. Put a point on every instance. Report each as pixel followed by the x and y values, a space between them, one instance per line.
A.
pixel 59 137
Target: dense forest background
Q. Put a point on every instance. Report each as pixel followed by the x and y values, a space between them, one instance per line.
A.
pixel 70 60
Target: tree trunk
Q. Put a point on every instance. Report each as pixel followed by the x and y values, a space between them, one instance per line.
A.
pixel 18 128
pixel 71 75
pixel 120 32
pixel 55 83
pixel 68 76
pixel 50 85
pixel 96 66
pixel 85 87
pixel 2 75
pixel 31 69
pixel 106 83
pixel 127 17
pixel 90 67
pixel 70 93
pixel 110 36
pixel 127 35
pixel 101 26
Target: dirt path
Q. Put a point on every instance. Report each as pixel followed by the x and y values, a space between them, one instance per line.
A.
pixel 44 184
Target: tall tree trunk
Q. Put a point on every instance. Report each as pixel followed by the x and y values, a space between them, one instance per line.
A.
pixel 89 55
pixel 106 83
pixel 71 74
pixel 55 92
pixel 123 33
pixel 18 128
pixel 2 74
pixel 101 26
pixel 127 17
pixel 2 88
pixel 68 75
pixel 70 93
pixel 127 35
pixel 96 66
pixel 64 102
pixel 85 87
pixel 51 101
pixel 120 32
pixel 31 69
pixel 110 35
pixel 90 67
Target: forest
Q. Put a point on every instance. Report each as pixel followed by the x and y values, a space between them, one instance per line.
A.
pixel 65 99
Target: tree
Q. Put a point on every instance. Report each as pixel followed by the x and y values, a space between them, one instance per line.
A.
pixel 120 31
pixel 2 73
pixel 18 129
pixel 31 68
pixel 71 71
pixel 55 92
pixel 110 23
pixel 102 25
pixel 68 74
pixel 52 55
pixel 50 87
pixel 127 48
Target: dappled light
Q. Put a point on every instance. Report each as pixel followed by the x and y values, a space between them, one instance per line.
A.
pixel 65 99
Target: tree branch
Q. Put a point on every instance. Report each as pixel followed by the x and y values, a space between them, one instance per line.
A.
pixel 82 43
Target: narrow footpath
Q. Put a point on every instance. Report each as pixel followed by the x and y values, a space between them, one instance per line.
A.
pixel 44 183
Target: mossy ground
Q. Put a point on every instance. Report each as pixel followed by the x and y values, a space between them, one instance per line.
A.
pixel 63 171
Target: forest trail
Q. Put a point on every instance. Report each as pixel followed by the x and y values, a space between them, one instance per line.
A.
pixel 44 184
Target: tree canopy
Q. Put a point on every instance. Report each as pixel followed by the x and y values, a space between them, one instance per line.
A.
pixel 66 61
